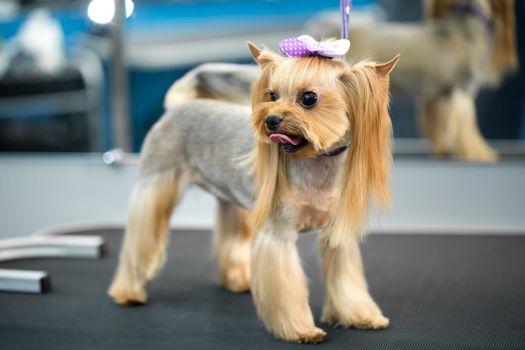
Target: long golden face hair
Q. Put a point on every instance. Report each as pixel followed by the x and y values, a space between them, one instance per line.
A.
pixel 504 56
pixel 352 110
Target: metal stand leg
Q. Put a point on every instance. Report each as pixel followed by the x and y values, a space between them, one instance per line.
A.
pixel 22 281
pixel 40 246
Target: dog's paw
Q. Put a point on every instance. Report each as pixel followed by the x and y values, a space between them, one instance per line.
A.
pixel 126 296
pixel 480 154
pixel 236 278
pixel 378 322
pixel 364 318
pixel 475 149
pixel 314 336
pixel 373 322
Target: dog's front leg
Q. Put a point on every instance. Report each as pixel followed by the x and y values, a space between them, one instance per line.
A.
pixel 279 287
pixel 348 302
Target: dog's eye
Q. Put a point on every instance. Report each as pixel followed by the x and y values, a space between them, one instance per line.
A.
pixel 308 99
pixel 273 96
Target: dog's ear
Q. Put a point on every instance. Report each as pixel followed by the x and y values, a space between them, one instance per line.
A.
pixel 504 55
pixel 263 57
pixel 267 164
pixel 367 168
pixel 384 69
pixel 266 60
pixel 260 87
pixel 255 51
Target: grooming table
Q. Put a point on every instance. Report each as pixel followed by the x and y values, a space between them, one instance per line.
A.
pixel 439 291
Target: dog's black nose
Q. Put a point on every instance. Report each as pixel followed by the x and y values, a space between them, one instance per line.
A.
pixel 273 121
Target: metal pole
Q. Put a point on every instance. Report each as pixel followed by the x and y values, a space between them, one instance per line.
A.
pixel 119 83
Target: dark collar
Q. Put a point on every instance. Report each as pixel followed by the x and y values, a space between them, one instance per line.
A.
pixel 335 152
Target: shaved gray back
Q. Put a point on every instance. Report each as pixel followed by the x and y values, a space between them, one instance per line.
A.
pixel 207 139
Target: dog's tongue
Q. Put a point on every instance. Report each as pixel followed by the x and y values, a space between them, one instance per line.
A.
pixel 282 138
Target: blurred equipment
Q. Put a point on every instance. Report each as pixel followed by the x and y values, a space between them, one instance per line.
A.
pixel 103 11
pixel 109 19
pixel 8 9
pixel 49 245
pixel 120 86
pixel 49 100
pixel 38 47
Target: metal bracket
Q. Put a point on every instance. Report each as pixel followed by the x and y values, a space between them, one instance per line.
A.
pixel 23 281
pixel 42 246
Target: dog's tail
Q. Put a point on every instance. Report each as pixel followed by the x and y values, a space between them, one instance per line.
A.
pixel 182 90
pixel 216 81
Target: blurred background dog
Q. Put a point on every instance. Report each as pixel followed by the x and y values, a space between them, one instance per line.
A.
pixel 463 46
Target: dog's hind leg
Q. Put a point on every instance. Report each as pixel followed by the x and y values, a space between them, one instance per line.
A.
pixel 348 302
pixel 468 144
pixel 146 237
pixel 449 123
pixel 435 124
pixel 232 239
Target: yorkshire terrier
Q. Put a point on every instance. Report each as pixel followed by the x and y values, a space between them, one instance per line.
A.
pixel 316 151
pixel 464 46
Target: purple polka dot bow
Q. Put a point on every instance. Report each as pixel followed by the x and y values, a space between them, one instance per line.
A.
pixel 305 45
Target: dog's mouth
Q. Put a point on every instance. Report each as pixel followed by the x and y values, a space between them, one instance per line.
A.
pixel 289 143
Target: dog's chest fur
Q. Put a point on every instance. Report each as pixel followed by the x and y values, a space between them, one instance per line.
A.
pixel 314 185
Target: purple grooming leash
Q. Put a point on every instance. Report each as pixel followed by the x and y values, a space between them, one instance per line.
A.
pixel 346 6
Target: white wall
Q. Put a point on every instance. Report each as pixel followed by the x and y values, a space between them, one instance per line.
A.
pixel 38 192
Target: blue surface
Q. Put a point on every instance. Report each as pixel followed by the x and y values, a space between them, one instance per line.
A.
pixel 226 13
pixel 147 90
pixel 155 15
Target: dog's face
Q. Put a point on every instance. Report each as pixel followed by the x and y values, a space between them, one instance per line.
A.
pixel 307 106
pixel 302 105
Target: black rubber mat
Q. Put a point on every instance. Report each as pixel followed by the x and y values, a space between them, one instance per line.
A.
pixel 440 292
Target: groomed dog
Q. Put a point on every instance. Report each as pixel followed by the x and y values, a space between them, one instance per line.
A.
pixel 316 149
pixel 464 46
